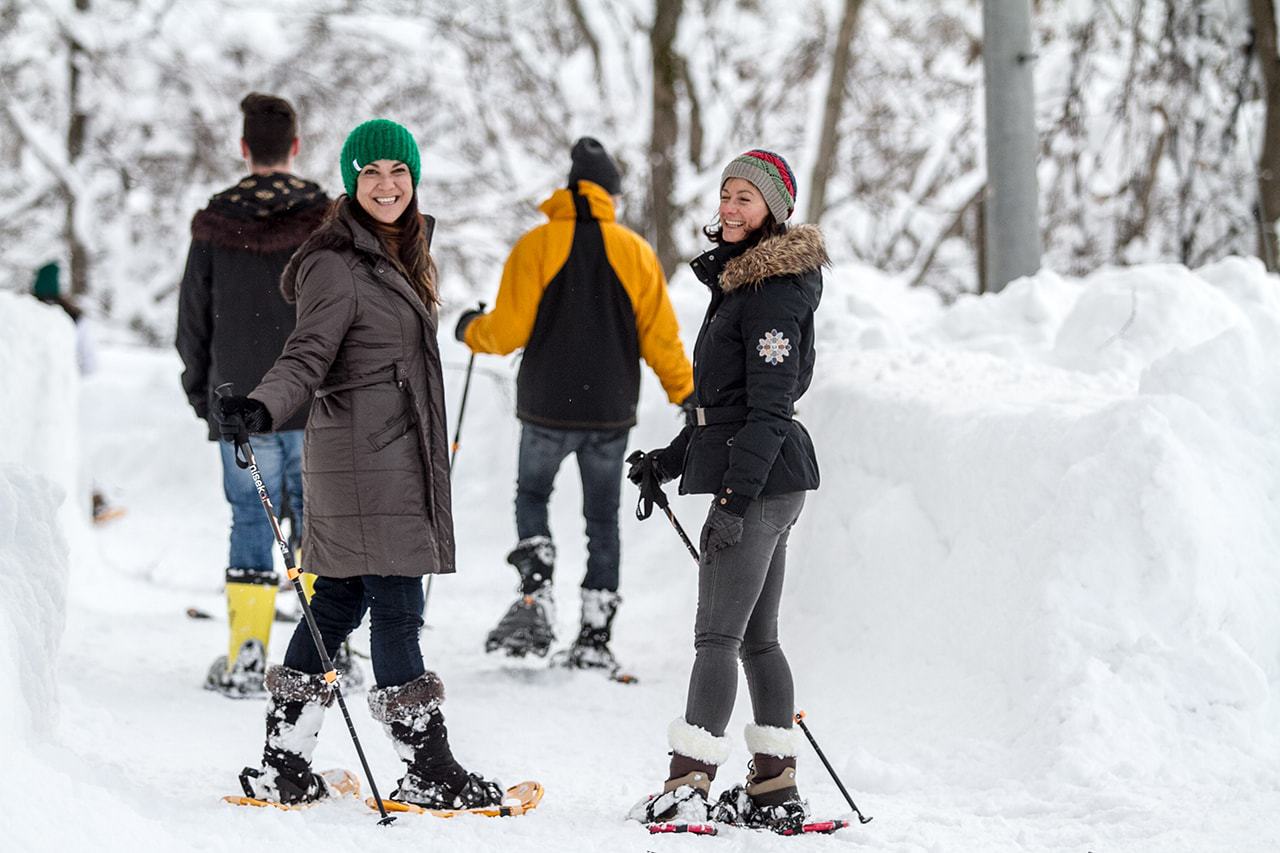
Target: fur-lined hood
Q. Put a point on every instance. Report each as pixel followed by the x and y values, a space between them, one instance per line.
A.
pixel 261 214
pixel 800 250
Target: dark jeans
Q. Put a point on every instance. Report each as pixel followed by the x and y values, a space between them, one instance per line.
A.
pixel 600 453
pixel 279 457
pixel 739 590
pixel 395 622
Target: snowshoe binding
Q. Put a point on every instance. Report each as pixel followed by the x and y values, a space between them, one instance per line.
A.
pixel 681 807
pixel 244 679
pixel 527 626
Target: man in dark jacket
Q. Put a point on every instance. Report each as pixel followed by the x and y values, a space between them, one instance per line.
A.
pixel 232 324
pixel 586 299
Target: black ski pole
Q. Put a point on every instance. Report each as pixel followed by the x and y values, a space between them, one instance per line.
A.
pixel 295 575
pixel 453 454
pixel 651 493
pixel 799 718
pixel 462 407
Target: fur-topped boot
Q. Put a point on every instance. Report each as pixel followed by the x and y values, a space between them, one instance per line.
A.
pixel 410 715
pixel 769 799
pixel 696 754
pixel 295 711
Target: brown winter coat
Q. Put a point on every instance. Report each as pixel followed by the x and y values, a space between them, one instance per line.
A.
pixel 375 466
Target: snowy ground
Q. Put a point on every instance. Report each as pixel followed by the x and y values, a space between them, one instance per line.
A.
pixel 1035 605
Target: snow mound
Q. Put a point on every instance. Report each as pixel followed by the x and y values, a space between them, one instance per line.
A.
pixel 1049 523
pixel 38 469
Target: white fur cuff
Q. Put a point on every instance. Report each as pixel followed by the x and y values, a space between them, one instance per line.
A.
pixel 770 740
pixel 697 743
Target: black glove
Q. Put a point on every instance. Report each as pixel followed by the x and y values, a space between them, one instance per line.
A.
pixel 239 416
pixel 460 330
pixel 650 463
pixel 688 404
pixel 724 522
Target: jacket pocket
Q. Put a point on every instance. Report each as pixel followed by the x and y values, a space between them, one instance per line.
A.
pixel 395 428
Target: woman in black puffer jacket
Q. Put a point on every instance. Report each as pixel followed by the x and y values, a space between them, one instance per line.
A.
pixel 753 360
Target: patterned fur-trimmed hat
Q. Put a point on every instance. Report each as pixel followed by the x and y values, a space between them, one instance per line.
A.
pixel 377 139
pixel 770 174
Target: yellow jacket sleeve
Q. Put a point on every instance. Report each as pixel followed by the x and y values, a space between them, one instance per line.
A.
pixel 507 327
pixel 656 325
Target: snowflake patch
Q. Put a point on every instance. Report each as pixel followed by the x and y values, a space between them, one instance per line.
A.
pixel 773 347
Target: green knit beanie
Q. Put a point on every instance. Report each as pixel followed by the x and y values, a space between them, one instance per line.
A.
pixel 378 139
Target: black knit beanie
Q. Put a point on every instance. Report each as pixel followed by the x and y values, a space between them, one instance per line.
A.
pixel 592 163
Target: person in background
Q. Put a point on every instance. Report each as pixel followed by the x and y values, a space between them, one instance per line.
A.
pixel 754 360
pixel 586 299
pixel 232 323
pixel 375 470
pixel 47 287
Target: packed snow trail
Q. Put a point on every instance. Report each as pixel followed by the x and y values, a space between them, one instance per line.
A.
pixel 1034 605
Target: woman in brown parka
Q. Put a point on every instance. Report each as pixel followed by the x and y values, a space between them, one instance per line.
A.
pixel 375 473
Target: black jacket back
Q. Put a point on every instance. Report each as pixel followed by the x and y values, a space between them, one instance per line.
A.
pixel 232 320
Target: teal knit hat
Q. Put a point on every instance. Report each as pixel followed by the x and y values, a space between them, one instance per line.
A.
pixel 377 139
pixel 46 284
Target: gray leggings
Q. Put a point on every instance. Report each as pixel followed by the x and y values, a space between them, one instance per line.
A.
pixel 739 589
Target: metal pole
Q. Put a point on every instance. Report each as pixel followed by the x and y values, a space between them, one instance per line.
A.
pixel 1012 201
pixel 799 718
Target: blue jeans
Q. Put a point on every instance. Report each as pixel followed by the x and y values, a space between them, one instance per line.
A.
pixel 600 453
pixel 279 457
pixel 395 623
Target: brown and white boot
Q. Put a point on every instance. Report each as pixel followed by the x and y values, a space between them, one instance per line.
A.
pixel 769 799
pixel 696 754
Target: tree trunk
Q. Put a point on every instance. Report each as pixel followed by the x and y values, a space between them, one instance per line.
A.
pixel 662 142
pixel 78 266
pixel 1013 206
pixel 1264 28
pixel 831 112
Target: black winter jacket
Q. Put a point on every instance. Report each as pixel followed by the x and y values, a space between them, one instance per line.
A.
pixel 232 320
pixel 753 360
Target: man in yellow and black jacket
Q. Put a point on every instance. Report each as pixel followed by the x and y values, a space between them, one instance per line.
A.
pixel 586 299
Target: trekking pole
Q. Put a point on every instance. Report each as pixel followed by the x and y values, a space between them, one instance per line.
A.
pixel 799 718
pixel 651 493
pixel 462 407
pixel 453 454
pixel 295 575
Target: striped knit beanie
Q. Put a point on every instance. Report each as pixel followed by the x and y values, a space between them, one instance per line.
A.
pixel 377 139
pixel 770 174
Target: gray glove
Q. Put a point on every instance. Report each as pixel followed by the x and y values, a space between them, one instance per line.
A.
pixel 722 530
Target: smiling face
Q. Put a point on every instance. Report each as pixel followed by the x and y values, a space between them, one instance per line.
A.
pixel 384 189
pixel 742 210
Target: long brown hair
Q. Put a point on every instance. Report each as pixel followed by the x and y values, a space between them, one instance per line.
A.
pixel 414 258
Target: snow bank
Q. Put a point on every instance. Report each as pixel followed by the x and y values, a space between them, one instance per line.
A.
pixel 1049 523
pixel 38 468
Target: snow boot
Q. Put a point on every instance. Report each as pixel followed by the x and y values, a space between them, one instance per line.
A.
pixel 769 799
pixel 695 756
pixel 295 712
pixel 535 560
pixel 527 625
pixel 251 597
pixel 410 715
pixel 591 649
